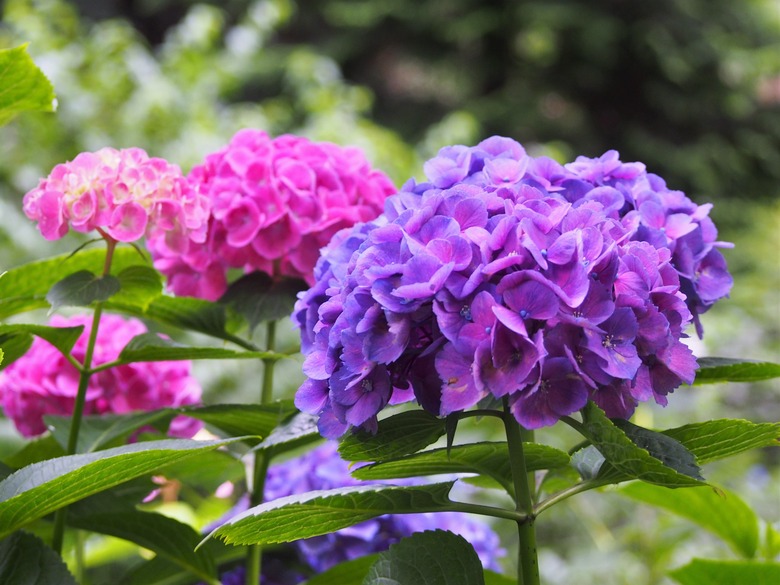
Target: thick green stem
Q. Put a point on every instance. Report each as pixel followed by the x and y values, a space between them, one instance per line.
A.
pixel 255 552
pixel 81 397
pixel 527 561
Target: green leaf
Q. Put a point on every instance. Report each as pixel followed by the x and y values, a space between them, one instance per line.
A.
pixel 36 450
pixel 298 431
pixel 636 461
pixel 243 419
pixel 150 347
pixel 398 435
pixel 259 298
pixel 99 431
pixel 493 578
pixel 347 573
pixel 63 338
pixel 165 536
pixel 81 289
pixel 139 286
pixel 24 288
pixel 14 347
pixel 24 86
pixel 715 370
pixel 707 572
pixel 322 512
pixel 718 439
pixel 721 512
pixel 486 458
pixel 26 560
pixel 433 557
pixel 41 488
pixel 663 447
pixel 588 462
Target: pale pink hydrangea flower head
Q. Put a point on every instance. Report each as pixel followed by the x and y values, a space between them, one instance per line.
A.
pixel 274 204
pixel 121 194
pixel 43 382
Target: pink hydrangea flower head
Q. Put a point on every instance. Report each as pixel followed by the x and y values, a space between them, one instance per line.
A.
pixel 274 204
pixel 123 194
pixel 43 382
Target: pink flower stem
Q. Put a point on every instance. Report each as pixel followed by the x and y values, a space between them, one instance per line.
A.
pixel 81 395
pixel 254 557
pixel 527 561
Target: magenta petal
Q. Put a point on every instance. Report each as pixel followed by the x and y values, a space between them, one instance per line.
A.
pixel 128 222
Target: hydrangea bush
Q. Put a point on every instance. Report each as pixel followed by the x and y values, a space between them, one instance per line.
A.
pixel 502 287
pixel 502 275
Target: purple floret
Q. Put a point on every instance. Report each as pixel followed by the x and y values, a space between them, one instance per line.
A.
pixel 508 275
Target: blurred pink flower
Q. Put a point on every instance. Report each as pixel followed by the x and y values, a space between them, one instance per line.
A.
pixel 43 382
pixel 120 193
pixel 274 204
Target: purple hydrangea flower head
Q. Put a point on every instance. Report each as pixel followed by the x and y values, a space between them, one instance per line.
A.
pixel 516 277
pixel 274 203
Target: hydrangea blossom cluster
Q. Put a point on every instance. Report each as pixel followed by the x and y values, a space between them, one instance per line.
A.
pixel 122 194
pixel 274 204
pixel 510 276
pixel 43 382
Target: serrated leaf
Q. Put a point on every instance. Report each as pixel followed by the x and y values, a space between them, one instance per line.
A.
pixel 150 347
pixel 26 560
pixel 258 298
pixel 718 439
pixel 41 488
pixel 243 419
pixel 298 431
pixel 720 512
pixel 433 557
pixel 398 435
pixel 99 431
pixel 24 288
pixel 139 286
pixel 707 572
pixel 321 512
pixel 188 313
pixel 666 449
pixel 24 86
pixel 347 573
pixel 63 338
pixel 81 289
pixel 630 459
pixel 485 458
pixel 716 370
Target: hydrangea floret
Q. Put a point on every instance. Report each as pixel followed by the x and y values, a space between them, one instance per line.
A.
pixel 508 276
pixel 274 203
pixel 121 194
pixel 44 382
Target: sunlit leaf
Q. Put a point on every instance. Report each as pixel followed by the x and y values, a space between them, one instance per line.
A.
pixel 716 370
pixel 708 572
pixel 41 488
pixel 433 557
pixel 721 512
pixel 24 86
pixel 718 439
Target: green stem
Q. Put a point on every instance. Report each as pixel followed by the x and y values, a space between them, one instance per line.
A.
pixel 527 561
pixel 81 396
pixel 558 497
pixel 254 557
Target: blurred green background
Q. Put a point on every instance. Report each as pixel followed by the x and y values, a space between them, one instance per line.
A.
pixel 690 87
